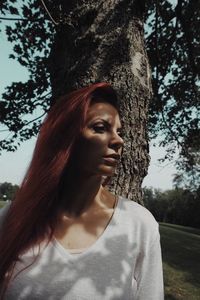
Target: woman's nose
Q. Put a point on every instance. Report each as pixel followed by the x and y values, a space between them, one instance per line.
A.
pixel 117 141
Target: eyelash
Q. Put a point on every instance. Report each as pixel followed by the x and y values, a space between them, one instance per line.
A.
pixel 99 128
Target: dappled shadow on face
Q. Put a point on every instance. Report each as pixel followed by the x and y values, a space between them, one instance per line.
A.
pixel 107 274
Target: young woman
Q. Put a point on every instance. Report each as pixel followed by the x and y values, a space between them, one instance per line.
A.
pixel 65 236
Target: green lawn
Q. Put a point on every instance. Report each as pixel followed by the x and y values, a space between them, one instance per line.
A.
pixel 181 261
pixel 2 203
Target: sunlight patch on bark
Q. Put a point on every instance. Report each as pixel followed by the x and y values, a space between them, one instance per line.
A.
pixel 140 69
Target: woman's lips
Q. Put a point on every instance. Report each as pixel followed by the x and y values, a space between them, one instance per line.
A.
pixel 111 161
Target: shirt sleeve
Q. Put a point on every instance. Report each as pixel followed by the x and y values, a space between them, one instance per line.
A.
pixel 149 276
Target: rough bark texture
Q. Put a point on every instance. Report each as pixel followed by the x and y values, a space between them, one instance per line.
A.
pixel 104 41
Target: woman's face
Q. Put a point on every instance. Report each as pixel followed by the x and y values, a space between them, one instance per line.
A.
pixel 100 145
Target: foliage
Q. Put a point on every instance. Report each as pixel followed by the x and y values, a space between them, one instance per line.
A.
pixel 177 206
pixel 7 191
pixel 172 41
pixel 173 45
pixel 31 35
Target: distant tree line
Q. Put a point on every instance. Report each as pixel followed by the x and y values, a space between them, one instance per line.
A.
pixel 7 191
pixel 177 206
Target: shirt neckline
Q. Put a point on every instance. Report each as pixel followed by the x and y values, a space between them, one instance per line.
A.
pixel 67 254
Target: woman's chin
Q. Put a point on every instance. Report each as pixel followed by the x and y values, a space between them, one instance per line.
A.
pixel 108 170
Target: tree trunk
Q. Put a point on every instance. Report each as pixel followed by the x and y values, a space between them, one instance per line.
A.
pixel 104 41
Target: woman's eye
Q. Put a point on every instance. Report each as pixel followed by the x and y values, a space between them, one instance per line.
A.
pixel 99 128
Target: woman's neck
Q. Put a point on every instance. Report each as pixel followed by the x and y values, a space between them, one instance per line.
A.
pixel 83 194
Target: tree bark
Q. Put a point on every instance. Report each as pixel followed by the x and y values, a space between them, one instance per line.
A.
pixel 104 41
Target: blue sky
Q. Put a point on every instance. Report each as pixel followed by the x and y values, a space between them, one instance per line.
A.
pixel 14 164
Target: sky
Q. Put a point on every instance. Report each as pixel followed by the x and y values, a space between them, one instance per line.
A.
pixel 13 165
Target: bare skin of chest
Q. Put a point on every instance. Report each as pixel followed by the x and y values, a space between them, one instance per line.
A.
pixel 82 232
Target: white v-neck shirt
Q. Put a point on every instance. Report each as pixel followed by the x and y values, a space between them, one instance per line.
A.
pixel 123 263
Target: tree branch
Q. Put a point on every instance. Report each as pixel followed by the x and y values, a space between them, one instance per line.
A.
pixel 49 14
pixel 34 119
pixel 19 19
pixel 13 19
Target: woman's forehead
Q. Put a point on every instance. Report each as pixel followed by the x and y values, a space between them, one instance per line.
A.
pixel 102 109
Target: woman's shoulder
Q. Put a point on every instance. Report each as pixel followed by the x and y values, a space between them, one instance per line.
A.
pixel 135 208
pixel 137 214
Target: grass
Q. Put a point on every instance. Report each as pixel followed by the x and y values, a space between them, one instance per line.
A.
pixel 2 203
pixel 181 261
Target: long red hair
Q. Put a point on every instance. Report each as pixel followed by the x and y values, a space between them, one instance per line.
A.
pixel 32 215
